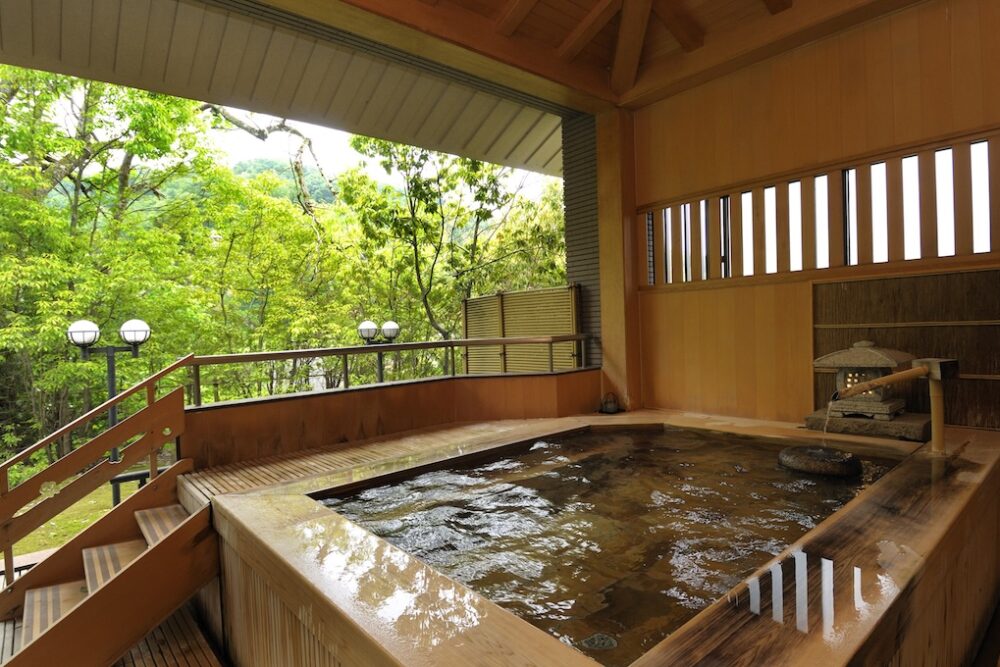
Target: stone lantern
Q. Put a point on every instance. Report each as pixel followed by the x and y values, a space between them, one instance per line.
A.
pixel 861 363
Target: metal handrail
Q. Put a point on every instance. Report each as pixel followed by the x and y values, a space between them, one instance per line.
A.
pixel 284 355
pixel 380 349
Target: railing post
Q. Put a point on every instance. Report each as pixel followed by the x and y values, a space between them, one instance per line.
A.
pixel 347 373
pixel 379 367
pixel 8 550
pixel 196 384
pixel 454 370
pixel 552 361
pixel 150 399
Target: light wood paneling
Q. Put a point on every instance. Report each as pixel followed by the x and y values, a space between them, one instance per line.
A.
pixel 722 133
pixel 226 433
pixel 617 244
pixel 742 351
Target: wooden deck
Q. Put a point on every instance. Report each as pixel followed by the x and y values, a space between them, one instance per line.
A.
pixel 177 641
pixel 199 487
pixel 314 469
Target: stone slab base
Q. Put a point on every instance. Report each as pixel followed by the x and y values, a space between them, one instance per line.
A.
pixel 908 426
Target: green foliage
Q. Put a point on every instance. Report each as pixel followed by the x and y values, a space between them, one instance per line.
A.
pixel 113 206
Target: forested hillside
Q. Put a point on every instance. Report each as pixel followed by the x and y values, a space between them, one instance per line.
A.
pixel 113 205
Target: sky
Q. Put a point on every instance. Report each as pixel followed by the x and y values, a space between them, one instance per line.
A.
pixel 332 148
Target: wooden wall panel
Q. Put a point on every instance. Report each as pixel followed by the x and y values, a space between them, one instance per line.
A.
pixel 913 76
pixel 741 350
pixel 226 433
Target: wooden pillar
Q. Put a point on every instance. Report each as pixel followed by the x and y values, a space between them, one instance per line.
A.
pixel 616 224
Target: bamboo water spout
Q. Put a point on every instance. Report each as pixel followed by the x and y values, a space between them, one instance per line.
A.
pixel 935 370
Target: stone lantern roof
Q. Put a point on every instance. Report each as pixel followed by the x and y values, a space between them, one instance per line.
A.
pixel 864 354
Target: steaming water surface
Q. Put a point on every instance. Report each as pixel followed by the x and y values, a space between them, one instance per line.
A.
pixel 609 541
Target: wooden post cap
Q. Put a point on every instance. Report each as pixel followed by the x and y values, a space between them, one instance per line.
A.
pixel 939 369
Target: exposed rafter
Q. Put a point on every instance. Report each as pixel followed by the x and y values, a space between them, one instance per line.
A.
pixel 588 28
pixel 775 6
pixel 628 49
pixel 513 14
pixel 750 41
pixel 685 29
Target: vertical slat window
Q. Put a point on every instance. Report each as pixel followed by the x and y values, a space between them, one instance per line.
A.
pixel 980 156
pixel 821 193
pixel 714 237
pixel 748 236
pixel 911 208
pixel 927 191
pixel 703 240
pixel 993 178
pixel 837 223
pixel 795 226
pixel 851 212
pixel 863 195
pixel 962 191
pixel 697 241
pixel 944 192
pixel 770 230
pixel 880 213
pixel 895 228
pixel 650 250
pixel 759 236
pixel 686 234
pixel 725 238
pixel 781 227
pixel 808 223
pixel 668 254
pixel 659 243
pixel 677 244
pixel 736 234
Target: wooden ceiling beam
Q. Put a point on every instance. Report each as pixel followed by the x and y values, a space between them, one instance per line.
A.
pixel 584 33
pixel 628 49
pixel 513 15
pixel 685 29
pixel 775 6
pixel 752 41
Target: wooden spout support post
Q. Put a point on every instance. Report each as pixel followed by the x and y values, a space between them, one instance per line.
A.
pixel 937 370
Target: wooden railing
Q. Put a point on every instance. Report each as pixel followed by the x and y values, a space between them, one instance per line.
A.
pixel 449 347
pixel 160 422
pixel 40 498
pixel 894 209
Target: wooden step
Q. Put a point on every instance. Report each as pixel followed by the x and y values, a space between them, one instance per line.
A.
pixel 45 606
pixel 103 562
pixel 157 523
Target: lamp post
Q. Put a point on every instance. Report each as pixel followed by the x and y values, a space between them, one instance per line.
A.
pixel 84 334
pixel 369 331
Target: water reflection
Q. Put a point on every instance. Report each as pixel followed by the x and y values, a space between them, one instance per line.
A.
pixel 619 536
pixel 421 605
pixel 830 598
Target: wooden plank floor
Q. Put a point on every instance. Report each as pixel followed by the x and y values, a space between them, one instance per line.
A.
pixel 197 488
pixel 177 642
pixel 203 484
